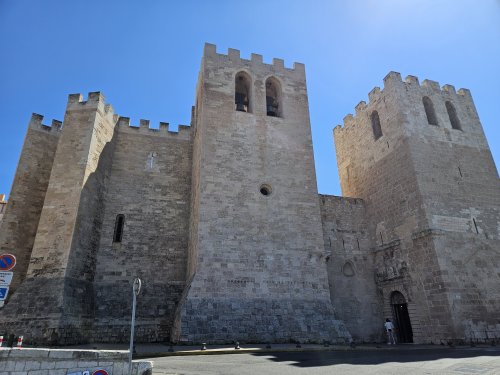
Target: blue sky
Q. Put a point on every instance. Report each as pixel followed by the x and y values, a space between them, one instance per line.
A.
pixel 145 55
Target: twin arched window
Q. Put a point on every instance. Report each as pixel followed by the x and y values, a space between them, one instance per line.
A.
pixel 431 113
pixel 243 95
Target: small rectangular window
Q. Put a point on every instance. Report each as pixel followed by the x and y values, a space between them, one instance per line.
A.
pixel 119 222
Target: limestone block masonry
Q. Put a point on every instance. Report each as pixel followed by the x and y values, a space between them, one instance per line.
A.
pixel 69 361
pixel 223 222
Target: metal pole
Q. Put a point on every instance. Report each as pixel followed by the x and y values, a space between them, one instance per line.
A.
pixel 135 292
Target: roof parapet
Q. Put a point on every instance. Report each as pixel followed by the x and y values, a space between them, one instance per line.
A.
pixel 393 79
pixel 184 131
pixel 233 55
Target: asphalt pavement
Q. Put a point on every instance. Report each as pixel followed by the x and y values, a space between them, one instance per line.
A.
pixel 373 360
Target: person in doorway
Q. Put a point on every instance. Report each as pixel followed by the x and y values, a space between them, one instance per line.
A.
pixel 389 328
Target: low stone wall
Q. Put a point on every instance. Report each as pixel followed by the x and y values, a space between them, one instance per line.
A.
pixel 69 362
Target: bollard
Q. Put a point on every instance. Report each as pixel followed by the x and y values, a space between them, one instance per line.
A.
pixel 1 341
pixel 20 342
pixel 203 346
pixel 171 348
pixel 237 345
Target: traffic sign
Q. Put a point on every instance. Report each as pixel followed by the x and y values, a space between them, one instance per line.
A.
pixel 7 262
pixel 100 372
pixel 5 278
pixel 4 290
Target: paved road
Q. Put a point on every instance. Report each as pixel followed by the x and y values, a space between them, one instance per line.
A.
pixel 473 361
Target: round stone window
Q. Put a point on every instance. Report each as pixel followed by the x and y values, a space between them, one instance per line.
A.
pixel 265 190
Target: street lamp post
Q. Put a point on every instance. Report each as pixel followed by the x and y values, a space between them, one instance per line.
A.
pixel 136 288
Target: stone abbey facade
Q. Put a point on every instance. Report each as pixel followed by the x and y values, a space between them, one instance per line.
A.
pixel 223 222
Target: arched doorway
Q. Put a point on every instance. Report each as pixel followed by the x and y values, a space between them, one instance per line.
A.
pixel 401 317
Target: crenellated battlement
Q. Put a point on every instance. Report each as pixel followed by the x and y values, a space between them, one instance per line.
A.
pixel 233 55
pixel 95 99
pixel 395 85
pixel 183 133
pixel 36 123
pixel 92 97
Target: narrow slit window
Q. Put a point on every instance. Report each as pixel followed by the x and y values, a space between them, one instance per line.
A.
pixel 377 129
pixel 119 223
pixel 242 92
pixel 452 114
pixel 429 111
pixel 273 98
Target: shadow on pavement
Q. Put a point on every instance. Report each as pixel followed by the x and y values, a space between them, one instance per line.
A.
pixel 374 357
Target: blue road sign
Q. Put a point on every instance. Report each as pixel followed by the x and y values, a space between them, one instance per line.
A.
pixel 3 292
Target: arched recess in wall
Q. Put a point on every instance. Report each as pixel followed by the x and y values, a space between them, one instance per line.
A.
pixel 243 92
pixel 348 269
pixel 377 129
pixel 274 105
pixel 429 111
pixel 452 114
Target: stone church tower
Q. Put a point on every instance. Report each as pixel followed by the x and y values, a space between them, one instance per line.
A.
pixel 418 158
pixel 256 255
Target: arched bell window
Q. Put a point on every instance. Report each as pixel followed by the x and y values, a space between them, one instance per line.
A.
pixel 242 95
pixel 274 106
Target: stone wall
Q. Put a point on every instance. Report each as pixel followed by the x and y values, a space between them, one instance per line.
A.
pixel 29 361
pixel 150 184
pixel 350 266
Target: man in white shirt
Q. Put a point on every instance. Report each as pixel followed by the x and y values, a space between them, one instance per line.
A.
pixel 389 328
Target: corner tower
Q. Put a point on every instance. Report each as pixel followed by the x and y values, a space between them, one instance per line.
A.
pixel 257 260
pixel 417 155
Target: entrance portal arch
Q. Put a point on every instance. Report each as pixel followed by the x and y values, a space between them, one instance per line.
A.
pixel 401 317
